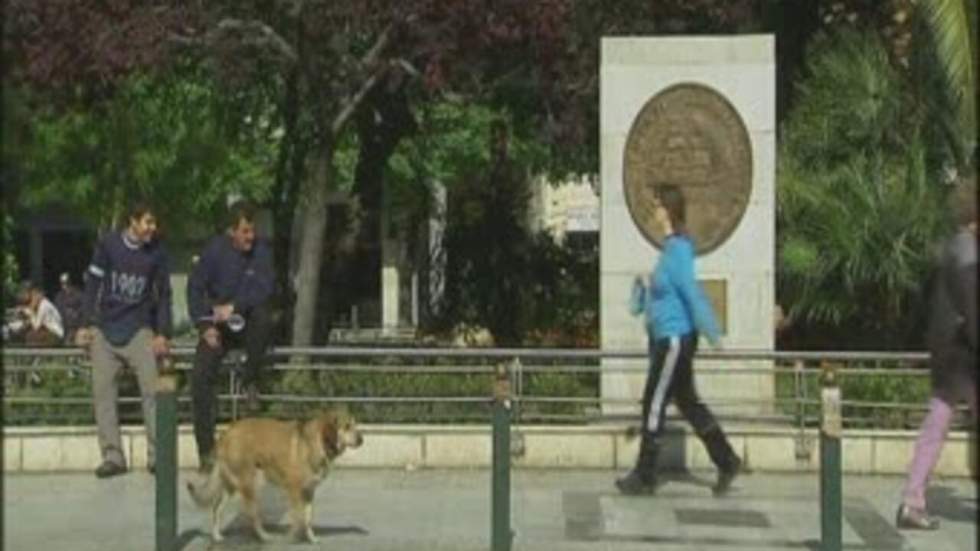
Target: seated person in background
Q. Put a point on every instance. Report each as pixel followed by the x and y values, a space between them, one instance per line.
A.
pixel 69 303
pixel 36 320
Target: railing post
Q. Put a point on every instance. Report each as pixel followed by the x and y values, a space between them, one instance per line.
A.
pixel 500 533
pixel 166 456
pixel 831 427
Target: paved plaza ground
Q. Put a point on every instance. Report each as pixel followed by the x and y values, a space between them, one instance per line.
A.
pixel 362 509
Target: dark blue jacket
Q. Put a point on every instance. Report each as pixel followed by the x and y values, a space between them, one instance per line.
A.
pixel 952 336
pixel 225 275
pixel 128 288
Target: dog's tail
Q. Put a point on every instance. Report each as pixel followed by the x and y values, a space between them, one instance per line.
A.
pixel 207 492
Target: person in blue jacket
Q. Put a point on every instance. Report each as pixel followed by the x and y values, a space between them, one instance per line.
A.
pixel 676 313
pixel 233 278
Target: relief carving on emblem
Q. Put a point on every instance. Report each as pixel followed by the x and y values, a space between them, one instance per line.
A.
pixel 689 135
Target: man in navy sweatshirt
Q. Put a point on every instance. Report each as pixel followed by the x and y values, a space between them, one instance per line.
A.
pixel 233 278
pixel 126 315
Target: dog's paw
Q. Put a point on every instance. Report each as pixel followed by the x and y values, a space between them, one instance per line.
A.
pixel 303 536
pixel 262 534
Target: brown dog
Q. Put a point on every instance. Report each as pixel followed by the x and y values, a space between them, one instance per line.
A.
pixel 294 455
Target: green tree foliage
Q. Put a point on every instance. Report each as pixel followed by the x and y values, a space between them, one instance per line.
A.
pixel 486 242
pixel 859 199
pixel 10 268
pixel 954 27
pixel 164 139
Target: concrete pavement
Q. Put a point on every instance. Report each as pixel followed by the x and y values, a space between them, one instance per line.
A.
pixel 373 509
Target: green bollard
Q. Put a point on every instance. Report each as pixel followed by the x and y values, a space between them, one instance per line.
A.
pixel 166 457
pixel 831 509
pixel 500 534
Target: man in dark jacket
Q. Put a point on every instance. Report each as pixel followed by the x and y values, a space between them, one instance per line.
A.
pixel 952 340
pixel 232 281
pixel 126 322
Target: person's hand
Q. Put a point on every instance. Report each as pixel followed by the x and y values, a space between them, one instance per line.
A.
pixel 212 336
pixel 84 337
pixel 160 346
pixel 222 312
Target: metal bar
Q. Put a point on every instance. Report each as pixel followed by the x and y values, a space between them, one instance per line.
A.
pixel 487 370
pixel 915 406
pixel 508 353
pixel 378 399
pixel 166 459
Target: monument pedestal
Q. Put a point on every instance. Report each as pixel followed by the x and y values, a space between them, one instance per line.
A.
pixel 699 113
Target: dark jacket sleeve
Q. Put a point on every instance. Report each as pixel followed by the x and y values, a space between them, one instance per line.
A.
pixel 198 302
pixel 258 284
pixel 164 296
pixel 968 278
pixel 954 320
pixel 96 273
pixel 962 286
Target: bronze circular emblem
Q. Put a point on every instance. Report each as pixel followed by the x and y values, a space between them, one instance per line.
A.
pixel 689 135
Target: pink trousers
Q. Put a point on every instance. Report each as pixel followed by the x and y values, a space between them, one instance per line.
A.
pixel 928 447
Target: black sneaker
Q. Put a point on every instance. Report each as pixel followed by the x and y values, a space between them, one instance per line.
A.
pixel 635 484
pixel 108 469
pixel 726 477
pixel 914 518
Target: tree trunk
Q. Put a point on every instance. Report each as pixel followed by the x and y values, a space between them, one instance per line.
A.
pixel 313 203
pixel 290 173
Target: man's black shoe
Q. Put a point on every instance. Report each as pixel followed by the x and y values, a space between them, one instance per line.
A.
pixel 108 469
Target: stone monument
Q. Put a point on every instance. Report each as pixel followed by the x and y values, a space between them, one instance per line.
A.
pixel 698 112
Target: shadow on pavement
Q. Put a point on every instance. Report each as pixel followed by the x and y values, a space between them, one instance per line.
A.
pixel 944 502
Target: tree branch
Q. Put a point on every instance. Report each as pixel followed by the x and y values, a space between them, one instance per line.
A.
pixel 252 32
pixel 370 58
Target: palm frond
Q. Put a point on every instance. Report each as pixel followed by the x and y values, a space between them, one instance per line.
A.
pixel 953 23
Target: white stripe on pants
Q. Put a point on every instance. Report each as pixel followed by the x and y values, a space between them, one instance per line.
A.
pixel 663 383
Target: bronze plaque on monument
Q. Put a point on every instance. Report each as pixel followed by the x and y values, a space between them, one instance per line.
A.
pixel 716 291
pixel 689 135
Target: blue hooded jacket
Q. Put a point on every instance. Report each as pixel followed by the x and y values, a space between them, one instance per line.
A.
pixel 673 301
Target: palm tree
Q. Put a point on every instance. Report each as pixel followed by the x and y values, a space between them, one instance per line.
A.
pixel 954 26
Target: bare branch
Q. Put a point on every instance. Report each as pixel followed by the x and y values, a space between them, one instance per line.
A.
pixel 407 67
pixel 251 32
pixel 370 58
pixel 269 36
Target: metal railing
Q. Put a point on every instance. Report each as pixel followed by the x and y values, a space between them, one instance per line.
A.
pixel 507 376
pixel 794 402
